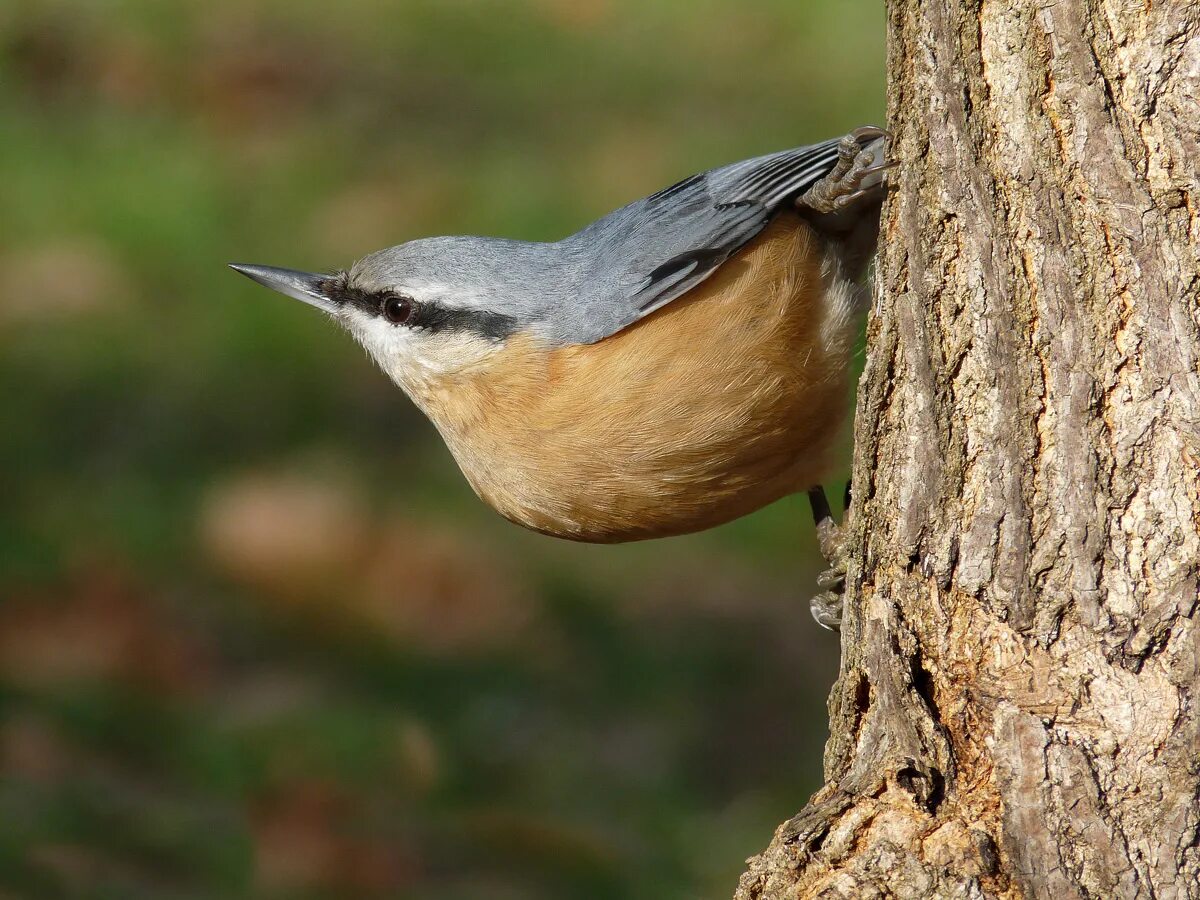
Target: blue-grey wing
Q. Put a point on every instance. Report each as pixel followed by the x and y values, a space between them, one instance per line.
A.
pixel 646 254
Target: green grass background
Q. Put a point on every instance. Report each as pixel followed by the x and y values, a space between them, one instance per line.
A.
pixel 257 637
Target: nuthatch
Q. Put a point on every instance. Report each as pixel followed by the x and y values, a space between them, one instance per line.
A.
pixel 678 363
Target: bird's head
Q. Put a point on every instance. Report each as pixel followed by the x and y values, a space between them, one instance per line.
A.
pixel 422 310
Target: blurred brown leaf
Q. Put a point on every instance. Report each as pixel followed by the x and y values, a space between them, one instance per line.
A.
pixel 269 695
pixel 441 591
pixel 249 72
pixel 99 627
pixel 304 839
pixel 56 53
pixel 417 756
pixel 32 750
pixel 76 864
pixel 308 544
pixel 63 277
pixel 46 54
pixel 289 536
pixel 131 71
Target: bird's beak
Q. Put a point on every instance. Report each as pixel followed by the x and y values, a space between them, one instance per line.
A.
pixel 307 287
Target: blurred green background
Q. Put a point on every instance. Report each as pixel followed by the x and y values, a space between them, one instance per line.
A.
pixel 257 637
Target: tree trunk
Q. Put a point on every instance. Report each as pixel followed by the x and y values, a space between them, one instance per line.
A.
pixel 1018 708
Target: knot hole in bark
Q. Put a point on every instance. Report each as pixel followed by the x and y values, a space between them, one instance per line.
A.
pixel 925 784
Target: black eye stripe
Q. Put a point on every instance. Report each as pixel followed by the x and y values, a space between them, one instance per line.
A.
pixel 432 317
pixel 436 318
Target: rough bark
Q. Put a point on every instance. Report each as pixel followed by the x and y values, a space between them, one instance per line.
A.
pixel 1018 709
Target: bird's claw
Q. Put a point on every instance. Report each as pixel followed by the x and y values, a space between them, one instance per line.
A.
pixel 843 185
pixel 867 133
pixel 827 606
pixel 832 580
pixel 826 609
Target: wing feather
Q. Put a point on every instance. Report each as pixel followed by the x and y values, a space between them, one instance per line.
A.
pixel 644 255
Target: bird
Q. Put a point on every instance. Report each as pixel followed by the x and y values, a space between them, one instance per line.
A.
pixel 674 365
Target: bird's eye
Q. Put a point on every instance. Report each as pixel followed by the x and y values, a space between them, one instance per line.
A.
pixel 397 310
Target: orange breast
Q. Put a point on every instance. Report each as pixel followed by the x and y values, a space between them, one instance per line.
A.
pixel 721 402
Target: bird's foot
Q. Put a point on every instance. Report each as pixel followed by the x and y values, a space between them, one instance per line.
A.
pixel 850 178
pixel 827 606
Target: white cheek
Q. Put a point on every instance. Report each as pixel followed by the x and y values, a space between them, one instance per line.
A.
pixel 409 356
pixel 390 346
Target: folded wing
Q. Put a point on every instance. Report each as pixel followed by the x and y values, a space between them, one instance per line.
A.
pixel 646 254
